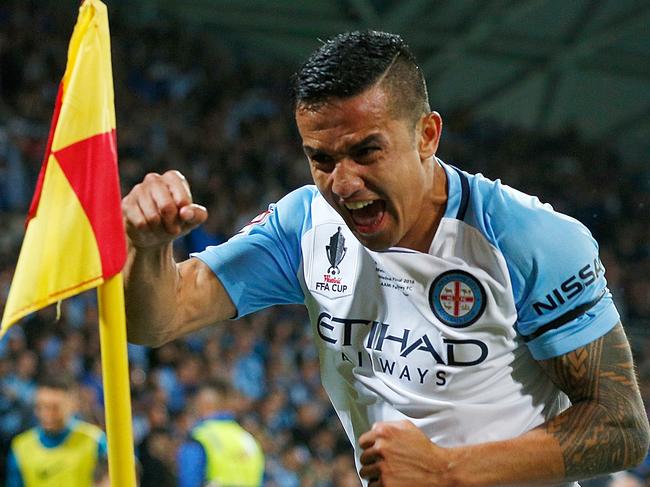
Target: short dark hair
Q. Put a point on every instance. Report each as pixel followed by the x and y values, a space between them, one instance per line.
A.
pixel 352 62
pixel 61 382
pixel 218 385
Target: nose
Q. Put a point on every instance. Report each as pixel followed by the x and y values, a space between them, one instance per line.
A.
pixel 346 179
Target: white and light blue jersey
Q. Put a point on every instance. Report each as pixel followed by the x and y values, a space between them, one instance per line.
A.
pixel 447 339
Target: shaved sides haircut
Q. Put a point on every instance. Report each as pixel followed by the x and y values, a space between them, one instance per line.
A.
pixel 353 62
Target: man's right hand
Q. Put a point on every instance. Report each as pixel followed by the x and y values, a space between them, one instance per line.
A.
pixel 160 209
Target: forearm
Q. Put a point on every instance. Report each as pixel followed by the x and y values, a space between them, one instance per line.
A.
pixel 151 281
pixel 605 430
pixel 583 442
pixel 165 300
pixel 531 459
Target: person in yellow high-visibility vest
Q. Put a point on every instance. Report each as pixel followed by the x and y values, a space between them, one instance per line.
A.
pixel 60 450
pixel 218 451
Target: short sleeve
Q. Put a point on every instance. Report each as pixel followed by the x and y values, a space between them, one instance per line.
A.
pixel 102 447
pixel 259 266
pixel 13 476
pixel 558 280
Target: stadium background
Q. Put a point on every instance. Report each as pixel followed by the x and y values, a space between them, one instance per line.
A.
pixel 551 96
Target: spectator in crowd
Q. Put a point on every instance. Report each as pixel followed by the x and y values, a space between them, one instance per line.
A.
pixel 61 450
pixel 218 450
pixel 156 453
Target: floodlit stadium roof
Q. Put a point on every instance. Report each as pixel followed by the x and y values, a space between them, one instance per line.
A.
pixel 541 64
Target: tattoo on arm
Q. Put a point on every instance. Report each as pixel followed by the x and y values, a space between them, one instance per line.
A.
pixel 606 428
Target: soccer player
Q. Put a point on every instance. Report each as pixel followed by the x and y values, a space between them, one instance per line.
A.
pixel 61 450
pixel 465 330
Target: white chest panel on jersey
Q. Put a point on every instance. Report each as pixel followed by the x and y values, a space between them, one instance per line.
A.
pixel 424 337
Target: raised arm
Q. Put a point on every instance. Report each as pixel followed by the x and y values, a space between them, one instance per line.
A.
pixel 604 430
pixel 165 300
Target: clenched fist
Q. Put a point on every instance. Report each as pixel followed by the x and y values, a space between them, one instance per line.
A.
pixel 160 209
pixel 398 454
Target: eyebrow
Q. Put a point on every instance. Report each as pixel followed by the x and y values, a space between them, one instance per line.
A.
pixel 369 140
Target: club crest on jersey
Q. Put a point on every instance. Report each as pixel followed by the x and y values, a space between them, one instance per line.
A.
pixel 334 263
pixel 457 298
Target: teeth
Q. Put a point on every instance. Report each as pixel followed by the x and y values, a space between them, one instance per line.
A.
pixel 357 205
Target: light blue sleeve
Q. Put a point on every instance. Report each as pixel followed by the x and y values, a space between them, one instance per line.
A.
pixel 558 280
pixel 102 447
pixel 259 266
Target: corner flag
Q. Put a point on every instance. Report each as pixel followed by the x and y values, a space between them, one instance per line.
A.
pixel 74 239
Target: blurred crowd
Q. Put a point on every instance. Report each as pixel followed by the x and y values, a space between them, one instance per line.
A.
pixel 185 100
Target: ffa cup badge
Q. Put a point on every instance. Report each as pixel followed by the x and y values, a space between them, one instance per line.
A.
pixel 334 264
pixel 457 298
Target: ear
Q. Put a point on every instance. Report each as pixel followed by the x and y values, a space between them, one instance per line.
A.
pixel 430 128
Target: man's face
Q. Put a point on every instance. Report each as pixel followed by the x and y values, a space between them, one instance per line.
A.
pixel 53 407
pixel 374 169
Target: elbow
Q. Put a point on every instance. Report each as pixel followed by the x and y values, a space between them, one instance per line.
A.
pixel 145 328
pixel 136 337
pixel 637 440
pixel 642 442
pixel 142 335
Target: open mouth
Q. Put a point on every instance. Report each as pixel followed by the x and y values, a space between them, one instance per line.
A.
pixel 367 216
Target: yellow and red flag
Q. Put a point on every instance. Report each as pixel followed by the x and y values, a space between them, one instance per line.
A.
pixel 74 239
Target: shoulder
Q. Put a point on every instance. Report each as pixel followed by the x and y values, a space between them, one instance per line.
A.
pixel 301 197
pixel 296 205
pixel 25 436
pixel 501 210
pixel 290 215
pixel 558 282
pixel 89 430
pixel 522 227
pixel 295 208
pixel 191 448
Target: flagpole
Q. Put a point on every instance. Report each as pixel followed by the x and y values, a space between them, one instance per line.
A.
pixel 115 372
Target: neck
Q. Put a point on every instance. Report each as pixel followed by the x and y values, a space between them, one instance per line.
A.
pixel 51 439
pixel 435 207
